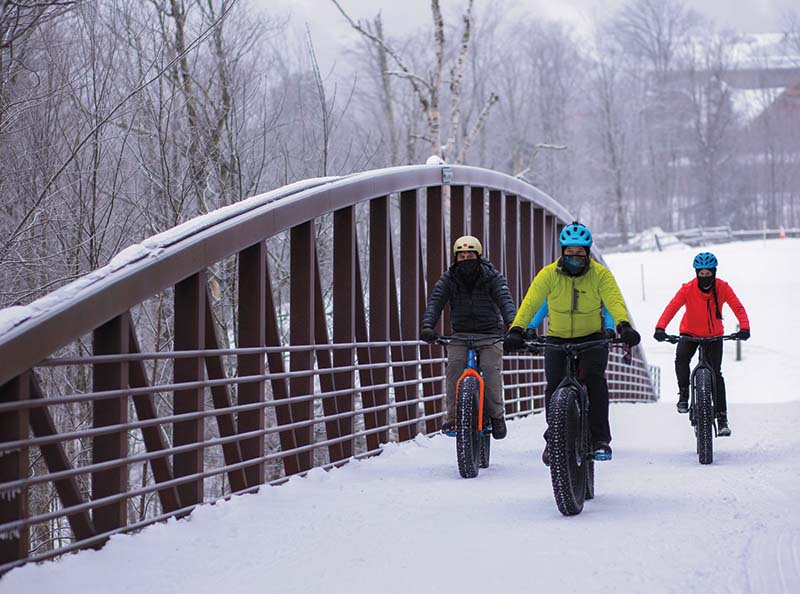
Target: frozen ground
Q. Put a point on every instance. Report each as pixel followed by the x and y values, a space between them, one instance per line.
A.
pixel 406 522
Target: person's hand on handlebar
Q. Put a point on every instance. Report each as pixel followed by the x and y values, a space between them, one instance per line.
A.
pixel 742 334
pixel 660 335
pixel 628 335
pixel 428 334
pixel 514 340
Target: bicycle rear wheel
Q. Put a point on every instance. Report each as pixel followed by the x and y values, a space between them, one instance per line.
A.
pixel 468 436
pixel 568 467
pixel 704 405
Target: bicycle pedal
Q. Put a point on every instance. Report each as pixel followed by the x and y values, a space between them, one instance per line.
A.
pixel 449 433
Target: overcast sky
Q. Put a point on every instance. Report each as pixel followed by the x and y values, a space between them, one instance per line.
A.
pixel 331 32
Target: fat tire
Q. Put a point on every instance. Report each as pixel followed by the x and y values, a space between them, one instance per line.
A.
pixel 704 403
pixel 486 449
pixel 567 470
pixel 589 478
pixel 468 436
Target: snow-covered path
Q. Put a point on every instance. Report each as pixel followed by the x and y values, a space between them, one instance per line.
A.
pixel 405 521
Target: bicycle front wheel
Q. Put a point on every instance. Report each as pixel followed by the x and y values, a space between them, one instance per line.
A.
pixel 468 436
pixel 704 404
pixel 568 466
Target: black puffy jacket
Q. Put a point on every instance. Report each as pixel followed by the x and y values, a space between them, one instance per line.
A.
pixel 486 308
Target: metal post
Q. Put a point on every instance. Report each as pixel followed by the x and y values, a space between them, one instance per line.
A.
pixel 109 339
pixel 301 332
pixel 344 314
pixel 379 306
pixel 252 333
pixel 409 304
pixel 190 296
pixel 14 467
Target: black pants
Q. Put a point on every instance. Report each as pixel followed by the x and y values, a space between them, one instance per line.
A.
pixel 683 356
pixel 591 371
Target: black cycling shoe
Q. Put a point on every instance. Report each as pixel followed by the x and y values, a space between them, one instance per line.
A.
pixel 448 428
pixel 546 456
pixel 499 430
pixel 683 401
pixel 723 430
pixel 602 451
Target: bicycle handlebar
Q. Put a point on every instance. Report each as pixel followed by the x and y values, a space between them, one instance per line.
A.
pixel 674 338
pixel 571 347
pixel 469 340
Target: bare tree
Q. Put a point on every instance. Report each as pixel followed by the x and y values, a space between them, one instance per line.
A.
pixel 428 88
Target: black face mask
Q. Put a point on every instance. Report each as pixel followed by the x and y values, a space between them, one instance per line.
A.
pixel 575 265
pixel 468 268
pixel 705 282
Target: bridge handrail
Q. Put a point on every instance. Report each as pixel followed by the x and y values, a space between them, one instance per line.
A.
pixel 32 332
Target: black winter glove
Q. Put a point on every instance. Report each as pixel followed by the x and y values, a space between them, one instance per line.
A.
pixel 428 334
pixel 628 335
pixel 530 334
pixel 743 334
pixel 609 333
pixel 514 340
pixel 660 335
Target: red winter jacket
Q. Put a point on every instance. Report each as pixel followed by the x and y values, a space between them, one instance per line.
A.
pixel 700 318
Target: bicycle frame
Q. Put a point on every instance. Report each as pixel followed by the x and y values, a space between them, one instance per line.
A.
pixel 702 363
pixel 473 364
pixel 573 352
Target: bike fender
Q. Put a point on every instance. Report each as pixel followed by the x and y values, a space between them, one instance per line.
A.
pixel 471 372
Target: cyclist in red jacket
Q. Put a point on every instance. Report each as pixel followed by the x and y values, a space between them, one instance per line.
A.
pixel 703 297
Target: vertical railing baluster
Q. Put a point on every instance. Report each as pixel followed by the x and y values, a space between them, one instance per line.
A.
pixel 494 249
pixel 301 332
pixel 458 222
pixel 409 305
pixel 110 339
pixel 344 311
pixel 379 266
pixel 252 328
pixel 526 276
pixel 14 467
pixel 540 260
pixel 511 269
pixel 477 214
pixel 435 266
pixel 190 295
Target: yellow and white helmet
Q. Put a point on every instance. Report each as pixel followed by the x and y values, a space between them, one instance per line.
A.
pixel 467 243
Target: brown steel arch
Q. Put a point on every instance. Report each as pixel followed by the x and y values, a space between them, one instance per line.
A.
pixel 309 374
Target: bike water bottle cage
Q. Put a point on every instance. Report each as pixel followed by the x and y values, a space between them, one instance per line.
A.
pixel 705 260
pixel 576 235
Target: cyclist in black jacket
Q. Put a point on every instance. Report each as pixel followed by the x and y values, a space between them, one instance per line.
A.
pixel 480 305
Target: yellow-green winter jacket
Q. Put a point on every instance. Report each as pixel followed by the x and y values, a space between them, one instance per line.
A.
pixel 575 302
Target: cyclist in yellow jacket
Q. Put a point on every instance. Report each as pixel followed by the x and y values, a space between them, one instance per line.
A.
pixel 576 288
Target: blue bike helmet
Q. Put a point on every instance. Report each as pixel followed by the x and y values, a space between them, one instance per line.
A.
pixel 705 260
pixel 576 235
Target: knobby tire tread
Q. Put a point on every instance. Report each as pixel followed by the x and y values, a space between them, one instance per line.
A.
pixel 468 439
pixel 704 402
pixel 567 477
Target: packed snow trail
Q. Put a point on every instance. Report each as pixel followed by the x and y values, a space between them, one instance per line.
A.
pixel 405 521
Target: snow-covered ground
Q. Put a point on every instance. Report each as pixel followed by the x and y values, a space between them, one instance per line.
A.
pixel 405 521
